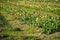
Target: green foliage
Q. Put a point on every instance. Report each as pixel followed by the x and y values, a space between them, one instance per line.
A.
pixel 48 23
pixel 44 14
pixel 3 20
pixel 32 16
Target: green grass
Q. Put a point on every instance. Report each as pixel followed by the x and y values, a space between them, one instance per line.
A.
pixel 29 17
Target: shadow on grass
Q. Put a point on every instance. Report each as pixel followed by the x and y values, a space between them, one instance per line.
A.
pixel 3 21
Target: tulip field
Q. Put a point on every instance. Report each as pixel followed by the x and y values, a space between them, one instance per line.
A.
pixel 29 19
